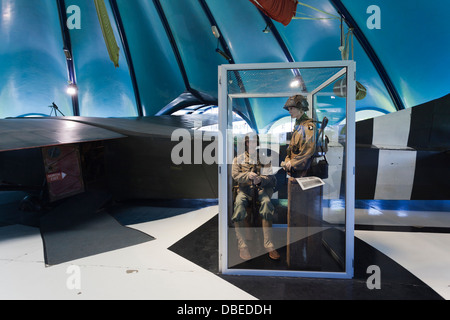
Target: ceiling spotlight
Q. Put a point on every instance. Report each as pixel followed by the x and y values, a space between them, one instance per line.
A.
pixel 215 32
pixel 67 53
pixel 72 89
pixel 296 83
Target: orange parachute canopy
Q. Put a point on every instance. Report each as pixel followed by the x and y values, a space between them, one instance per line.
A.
pixel 279 10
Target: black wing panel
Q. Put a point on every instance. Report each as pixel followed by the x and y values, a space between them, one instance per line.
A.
pixel 26 133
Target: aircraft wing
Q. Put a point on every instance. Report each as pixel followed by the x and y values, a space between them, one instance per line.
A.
pixel 137 153
pixel 156 126
pixel 140 166
pixel 27 133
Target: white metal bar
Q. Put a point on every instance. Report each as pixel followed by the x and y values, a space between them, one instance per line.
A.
pixel 287 273
pixel 243 95
pixel 350 168
pixel 333 78
pixel 310 99
pixel 287 65
pixel 222 167
pixel 262 95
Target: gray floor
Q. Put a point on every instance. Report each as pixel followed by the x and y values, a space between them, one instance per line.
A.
pixel 155 270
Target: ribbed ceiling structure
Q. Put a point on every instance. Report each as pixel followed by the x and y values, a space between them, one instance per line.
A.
pixel 169 59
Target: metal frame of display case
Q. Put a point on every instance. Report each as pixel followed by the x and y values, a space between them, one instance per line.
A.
pixel 225 149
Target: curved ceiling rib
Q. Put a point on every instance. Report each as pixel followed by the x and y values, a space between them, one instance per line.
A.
pixel 213 22
pixel 201 97
pixel 165 23
pixel 123 37
pixel 68 50
pixel 170 59
pixel 365 44
pixel 249 116
pixel 192 97
pixel 277 36
pixel 282 45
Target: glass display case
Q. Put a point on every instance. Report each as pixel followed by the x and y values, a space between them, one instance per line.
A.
pixel 286 182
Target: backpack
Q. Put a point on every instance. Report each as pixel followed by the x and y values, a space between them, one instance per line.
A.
pixel 319 168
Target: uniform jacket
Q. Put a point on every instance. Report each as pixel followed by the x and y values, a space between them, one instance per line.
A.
pixel 242 166
pixel 302 145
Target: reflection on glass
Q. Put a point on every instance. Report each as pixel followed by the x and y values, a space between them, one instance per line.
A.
pixel 286 206
pixel 253 189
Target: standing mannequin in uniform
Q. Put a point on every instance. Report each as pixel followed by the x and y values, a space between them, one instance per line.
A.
pixel 303 142
pixel 304 206
pixel 249 173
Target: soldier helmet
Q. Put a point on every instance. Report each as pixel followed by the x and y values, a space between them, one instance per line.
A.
pixel 298 101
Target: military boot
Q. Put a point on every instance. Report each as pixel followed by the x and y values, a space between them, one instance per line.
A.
pixel 268 244
pixel 240 235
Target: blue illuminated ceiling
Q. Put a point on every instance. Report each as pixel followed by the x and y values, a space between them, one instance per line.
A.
pixel 169 59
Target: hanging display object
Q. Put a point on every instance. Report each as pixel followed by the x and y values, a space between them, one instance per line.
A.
pixel 279 10
pixel 340 89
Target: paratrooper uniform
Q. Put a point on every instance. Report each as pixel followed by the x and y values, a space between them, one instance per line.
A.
pixel 242 166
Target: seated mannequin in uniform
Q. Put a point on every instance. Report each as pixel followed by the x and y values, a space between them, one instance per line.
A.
pixel 249 173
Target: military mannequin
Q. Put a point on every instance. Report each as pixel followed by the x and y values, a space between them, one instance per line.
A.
pixel 304 206
pixel 249 173
pixel 303 141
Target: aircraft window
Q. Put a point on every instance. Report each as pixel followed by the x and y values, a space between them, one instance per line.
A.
pixel 367 114
pixel 195 109
pixel 32 115
pixel 239 124
pixel 282 125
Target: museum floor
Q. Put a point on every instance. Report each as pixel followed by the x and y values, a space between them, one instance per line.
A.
pixel 171 254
